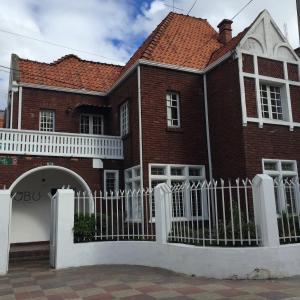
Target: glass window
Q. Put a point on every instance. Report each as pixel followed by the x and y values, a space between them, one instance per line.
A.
pixel 47 120
pixel 271 102
pixel 124 119
pixel 173 115
pixel 91 124
pixel 111 181
pixel 158 170
pixel 194 172
pixel 176 171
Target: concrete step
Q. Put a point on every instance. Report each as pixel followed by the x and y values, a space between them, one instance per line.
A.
pixel 29 251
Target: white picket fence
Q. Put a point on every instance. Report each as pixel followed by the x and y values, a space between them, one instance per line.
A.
pixel 213 214
pixel 60 144
pixel 124 215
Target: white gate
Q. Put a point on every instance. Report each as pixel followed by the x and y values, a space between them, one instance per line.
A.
pixel 53 230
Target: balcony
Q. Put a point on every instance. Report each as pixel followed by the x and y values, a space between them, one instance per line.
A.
pixel 27 142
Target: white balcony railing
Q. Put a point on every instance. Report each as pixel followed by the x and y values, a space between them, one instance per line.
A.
pixel 26 142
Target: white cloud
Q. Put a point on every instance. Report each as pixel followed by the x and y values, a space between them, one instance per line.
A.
pixel 93 25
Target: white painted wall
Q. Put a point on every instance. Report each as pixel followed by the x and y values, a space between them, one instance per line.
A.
pixel 5 209
pixel 31 219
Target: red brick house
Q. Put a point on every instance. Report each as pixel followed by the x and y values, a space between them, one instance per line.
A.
pixel 191 103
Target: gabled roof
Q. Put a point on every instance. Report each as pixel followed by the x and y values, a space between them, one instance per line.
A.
pixel 68 72
pixel 179 40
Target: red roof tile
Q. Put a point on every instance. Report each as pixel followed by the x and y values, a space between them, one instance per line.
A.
pixel 178 40
pixel 70 72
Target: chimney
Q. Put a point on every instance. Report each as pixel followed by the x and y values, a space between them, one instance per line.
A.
pixel 225 31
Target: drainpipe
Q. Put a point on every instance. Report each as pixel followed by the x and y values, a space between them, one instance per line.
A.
pixel 298 12
pixel 140 125
pixel 11 108
pixel 20 108
pixel 141 145
pixel 207 128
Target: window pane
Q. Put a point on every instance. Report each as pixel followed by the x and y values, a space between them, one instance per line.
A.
pixel 97 124
pixel 175 171
pixel 47 120
pixel 84 124
pixel 111 182
pixel 194 172
pixel 158 170
pixel 172 101
pixel 287 166
pixel 124 119
pixel 271 166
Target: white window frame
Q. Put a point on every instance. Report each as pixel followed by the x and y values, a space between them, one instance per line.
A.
pixel 116 172
pixel 135 181
pixel 91 127
pixel 185 178
pixel 283 101
pixel 124 119
pixel 170 120
pixel 52 116
pixel 280 174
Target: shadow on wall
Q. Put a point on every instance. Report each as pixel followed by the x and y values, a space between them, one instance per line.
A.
pixel 31 205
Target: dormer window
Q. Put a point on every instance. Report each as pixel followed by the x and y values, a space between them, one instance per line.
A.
pixel 91 124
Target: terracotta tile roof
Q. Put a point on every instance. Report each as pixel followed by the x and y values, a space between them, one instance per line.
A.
pixel 179 40
pixel 71 72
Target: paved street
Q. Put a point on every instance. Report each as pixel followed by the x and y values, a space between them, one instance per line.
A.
pixel 34 280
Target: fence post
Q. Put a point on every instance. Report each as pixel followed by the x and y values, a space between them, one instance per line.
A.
pixel 163 221
pixel 265 210
pixel 5 215
pixel 64 218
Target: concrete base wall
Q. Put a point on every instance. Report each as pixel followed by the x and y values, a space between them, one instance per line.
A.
pixel 220 263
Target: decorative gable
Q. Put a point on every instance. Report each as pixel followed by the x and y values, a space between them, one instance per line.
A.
pixel 265 38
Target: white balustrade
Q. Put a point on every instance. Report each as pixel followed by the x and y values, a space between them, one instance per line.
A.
pixel 26 142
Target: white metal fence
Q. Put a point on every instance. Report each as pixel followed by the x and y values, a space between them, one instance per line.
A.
pixel 213 214
pixel 287 197
pixel 60 144
pixel 123 215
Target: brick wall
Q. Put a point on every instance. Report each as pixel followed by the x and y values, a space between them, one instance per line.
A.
pixel 225 118
pixel 186 145
pixel 81 166
pixel 271 68
pixel 250 92
pixel 248 64
pixel 295 102
pixel 271 141
pixel 293 72
pixel 127 91
pixel 64 105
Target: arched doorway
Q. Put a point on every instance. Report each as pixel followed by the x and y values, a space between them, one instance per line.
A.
pixel 31 203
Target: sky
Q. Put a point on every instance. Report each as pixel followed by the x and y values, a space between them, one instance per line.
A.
pixel 111 30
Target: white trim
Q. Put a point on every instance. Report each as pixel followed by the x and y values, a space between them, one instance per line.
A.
pixel 27 173
pixel 124 122
pixel 60 89
pixel 207 128
pixel 11 109
pixel 20 108
pixel 117 187
pixel 242 89
pixel 288 95
pixel 169 109
pixel 257 89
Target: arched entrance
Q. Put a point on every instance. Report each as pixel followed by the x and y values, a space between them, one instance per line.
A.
pixel 31 203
